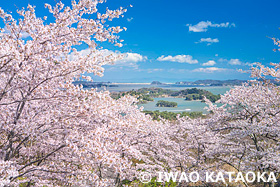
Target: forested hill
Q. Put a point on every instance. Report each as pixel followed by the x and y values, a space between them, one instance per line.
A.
pixel 146 94
pixel 196 94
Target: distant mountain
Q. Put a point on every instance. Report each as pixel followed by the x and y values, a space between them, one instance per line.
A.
pixel 184 83
pixel 87 84
pixel 156 83
pixel 198 83
pixel 210 82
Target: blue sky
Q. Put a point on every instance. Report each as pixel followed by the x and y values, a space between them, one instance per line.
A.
pixel 186 40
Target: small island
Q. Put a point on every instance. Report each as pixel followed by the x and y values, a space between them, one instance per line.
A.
pixel 162 103
pixel 156 83
pixel 142 97
pixel 198 94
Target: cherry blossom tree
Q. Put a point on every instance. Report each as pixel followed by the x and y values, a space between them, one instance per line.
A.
pixel 243 133
pixel 249 121
pixel 54 133
pixel 248 125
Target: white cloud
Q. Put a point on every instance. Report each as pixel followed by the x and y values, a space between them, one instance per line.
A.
pixel 209 41
pixel 209 70
pixel 209 63
pixel 223 60
pixel 114 68
pixel 251 64
pixel 234 62
pixel 203 26
pixel 216 54
pixel 231 61
pixel 24 35
pixel 129 59
pixel 150 70
pixel 178 58
pixel 129 19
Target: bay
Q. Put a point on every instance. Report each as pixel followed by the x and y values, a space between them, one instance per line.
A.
pixel 183 105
